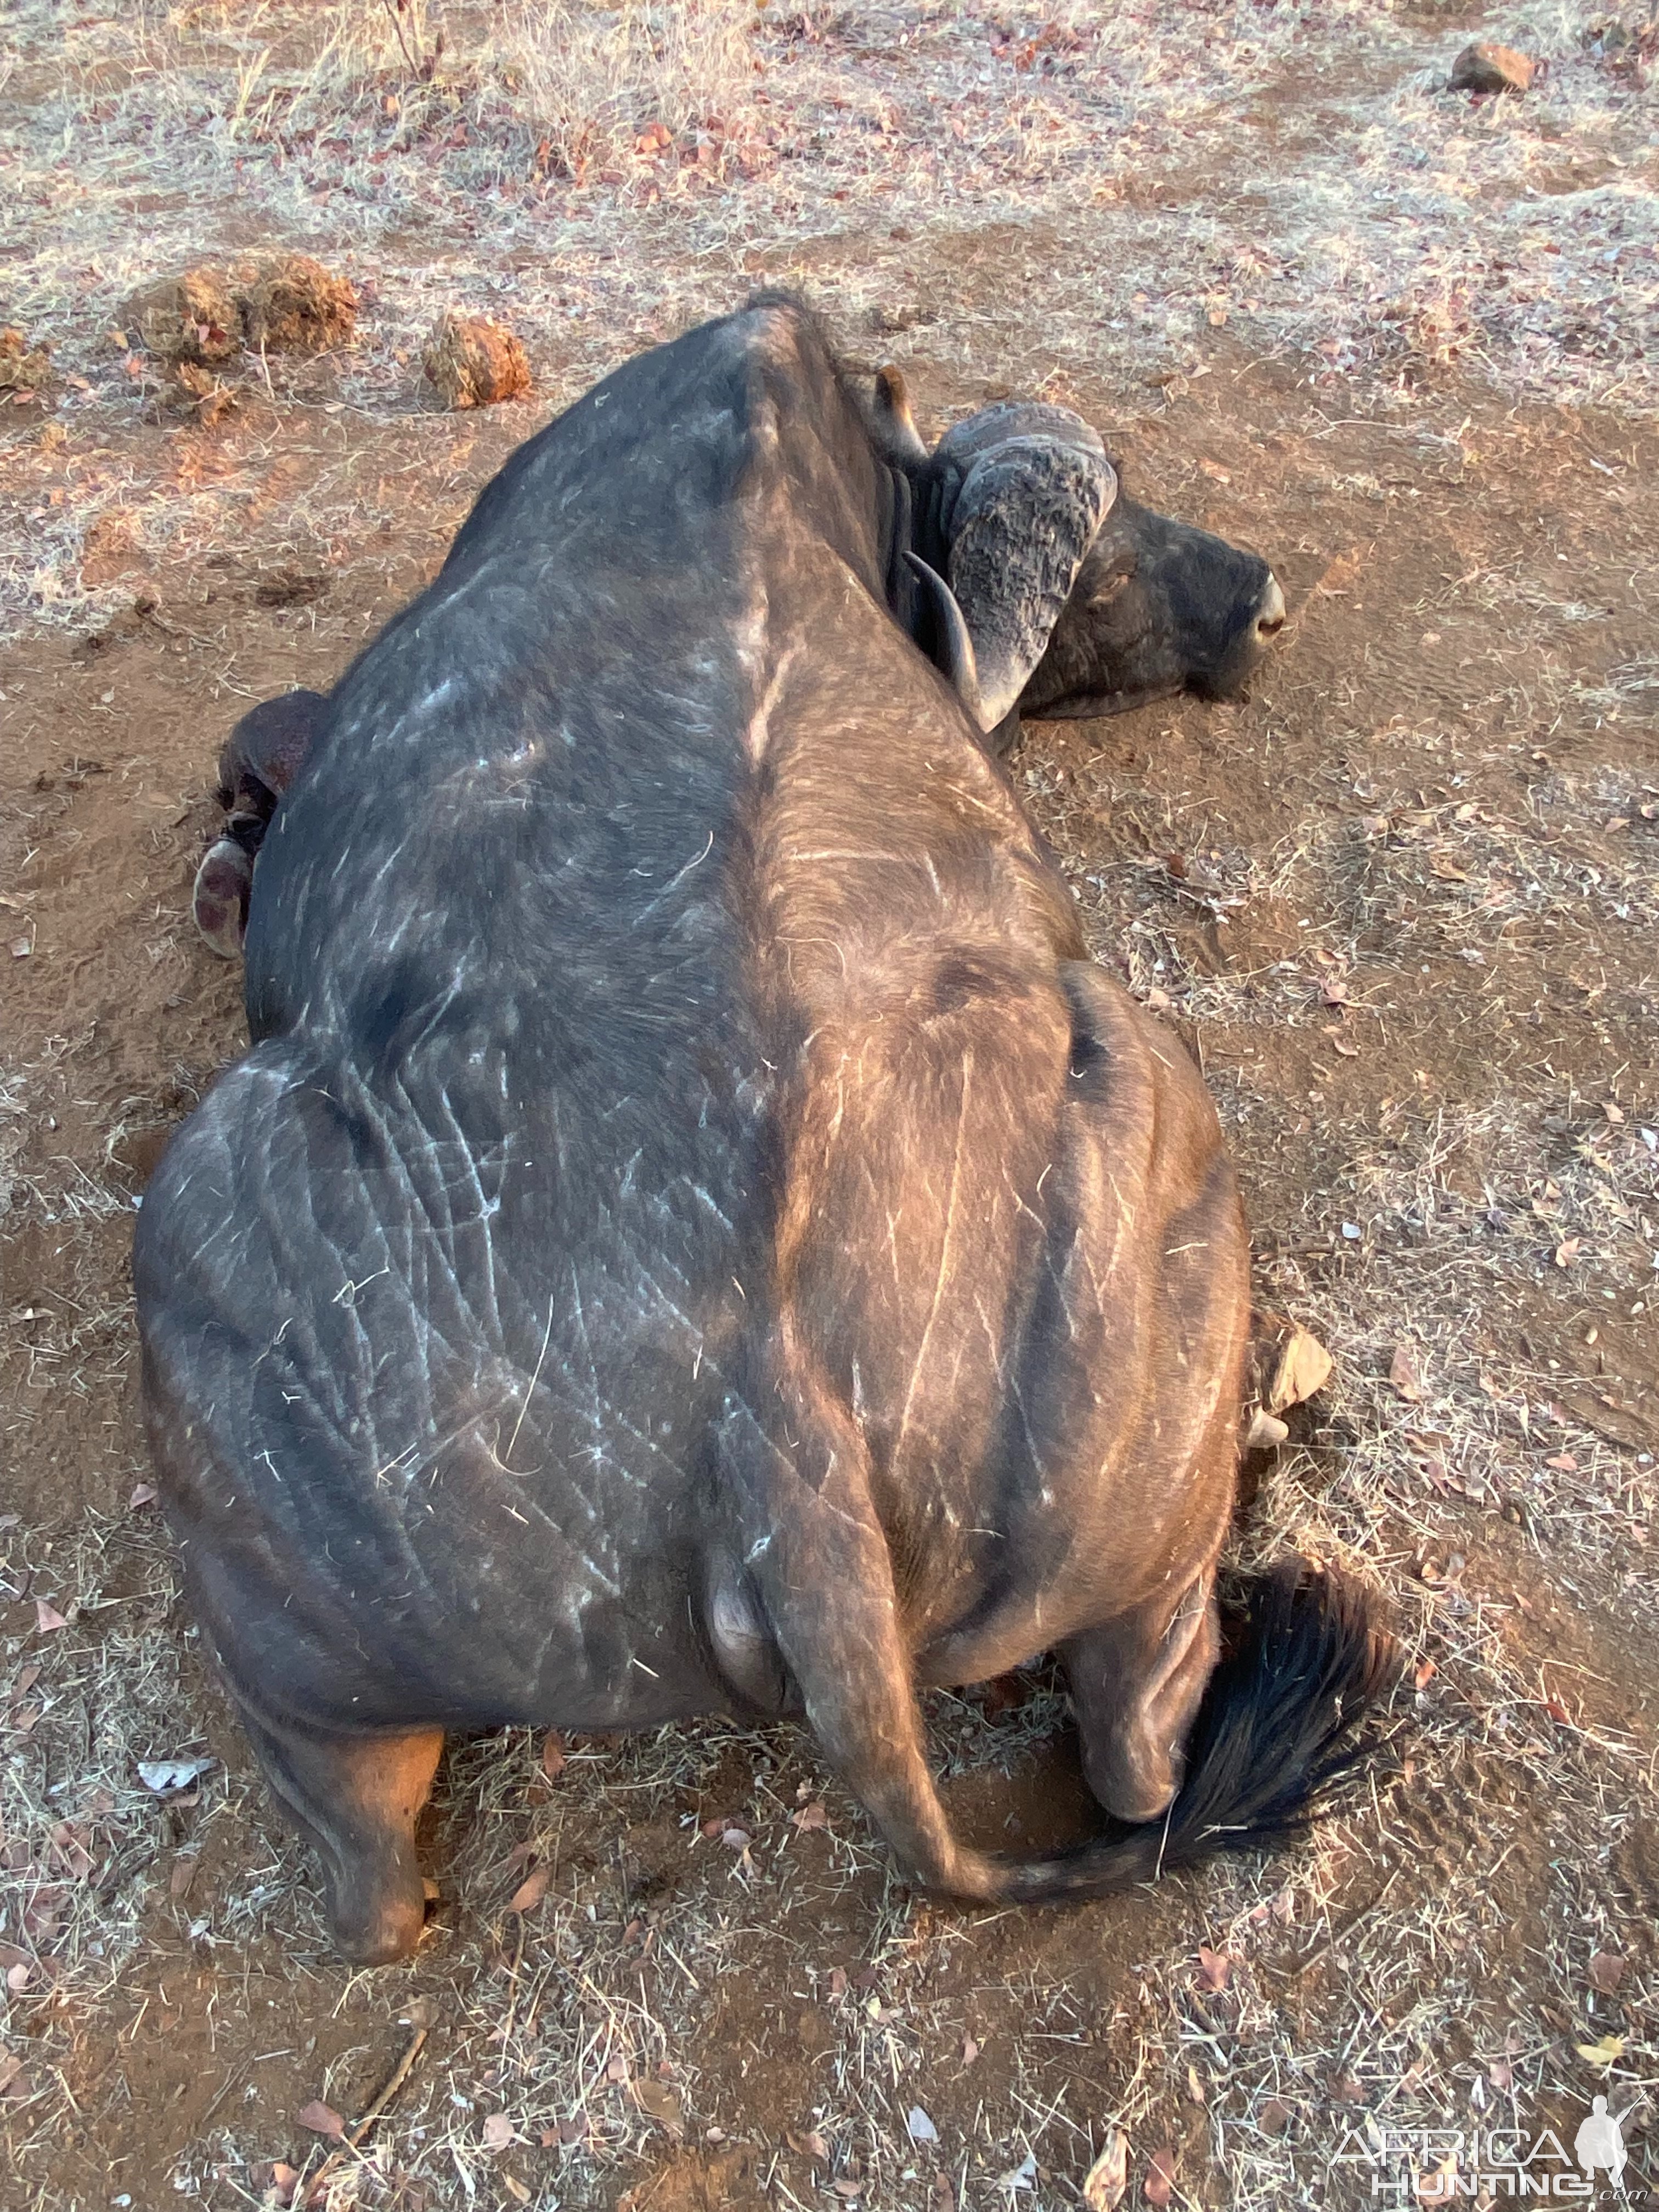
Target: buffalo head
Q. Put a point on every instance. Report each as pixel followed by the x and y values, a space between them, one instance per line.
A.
pixel 1076 598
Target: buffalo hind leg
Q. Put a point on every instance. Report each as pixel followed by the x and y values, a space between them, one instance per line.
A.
pixel 1137 1683
pixel 356 1800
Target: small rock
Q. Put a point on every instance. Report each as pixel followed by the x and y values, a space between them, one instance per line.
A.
pixel 1483 67
pixel 471 362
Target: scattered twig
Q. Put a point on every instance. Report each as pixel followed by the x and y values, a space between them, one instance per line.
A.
pixel 353 2140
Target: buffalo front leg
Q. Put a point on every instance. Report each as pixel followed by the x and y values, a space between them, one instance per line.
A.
pixel 356 1800
pixel 1136 1683
pixel 261 757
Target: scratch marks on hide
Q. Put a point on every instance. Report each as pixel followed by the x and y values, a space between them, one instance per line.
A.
pixel 677 878
pixel 943 1252
pixel 505 1458
pixel 376 734
pixel 758 737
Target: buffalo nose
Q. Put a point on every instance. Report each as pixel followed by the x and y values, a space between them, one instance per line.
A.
pixel 1270 614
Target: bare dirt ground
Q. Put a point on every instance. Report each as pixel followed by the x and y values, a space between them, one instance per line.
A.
pixel 1404 903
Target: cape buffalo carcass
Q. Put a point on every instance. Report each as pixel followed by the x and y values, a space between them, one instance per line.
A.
pixel 694 1231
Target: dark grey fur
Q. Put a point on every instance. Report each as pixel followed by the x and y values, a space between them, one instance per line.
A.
pixel 693 1229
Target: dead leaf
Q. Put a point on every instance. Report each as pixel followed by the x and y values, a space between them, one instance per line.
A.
pixel 811 2144
pixel 1109 2177
pixel 531 1890
pixel 919 2127
pixel 1214 1967
pixel 736 1839
pixel 1606 2052
pixel 165 1775
pixel 1424 1674
pixel 1159 2187
pixel 1274 2116
pixel 1568 1251
pixel 516 2189
pixel 145 1494
pixel 553 1758
pixel 282 2181
pixel 1403 1375
pixel 661 2103
pixel 969 2050
pixel 837 1981
pixel 812 1816
pixel 1304 1366
pixel 497 2131
pixel 322 2120
pixel 47 1617
pixel 1607 1971
pixel 183 1874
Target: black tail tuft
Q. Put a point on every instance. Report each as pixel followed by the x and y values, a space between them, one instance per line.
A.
pixel 1277 1728
pixel 1279 1720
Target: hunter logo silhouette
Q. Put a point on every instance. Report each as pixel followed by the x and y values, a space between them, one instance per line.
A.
pixel 1600 2141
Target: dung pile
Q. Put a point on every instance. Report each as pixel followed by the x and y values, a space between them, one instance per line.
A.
pixel 281 303
pixel 471 362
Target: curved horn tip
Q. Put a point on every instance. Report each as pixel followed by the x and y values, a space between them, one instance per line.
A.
pixel 960 665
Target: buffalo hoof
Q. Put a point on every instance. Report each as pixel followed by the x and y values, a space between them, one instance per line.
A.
pixel 356 1800
pixel 218 902
pixel 376 1911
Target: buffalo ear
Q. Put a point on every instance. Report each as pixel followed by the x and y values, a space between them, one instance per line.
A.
pixel 1028 510
pixel 895 424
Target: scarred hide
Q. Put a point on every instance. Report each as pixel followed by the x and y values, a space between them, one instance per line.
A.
pixel 693 1231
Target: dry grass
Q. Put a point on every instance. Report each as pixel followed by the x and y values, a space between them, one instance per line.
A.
pixel 603 175
pixel 586 82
